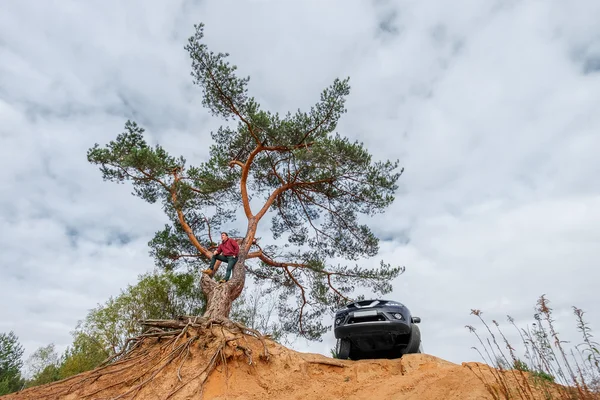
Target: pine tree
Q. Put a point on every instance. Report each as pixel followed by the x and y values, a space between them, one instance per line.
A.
pixel 11 361
pixel 312 183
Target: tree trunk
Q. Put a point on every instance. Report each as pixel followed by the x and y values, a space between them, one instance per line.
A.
pixel 220 296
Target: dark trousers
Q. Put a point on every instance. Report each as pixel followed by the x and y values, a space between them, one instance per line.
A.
pixel 231 260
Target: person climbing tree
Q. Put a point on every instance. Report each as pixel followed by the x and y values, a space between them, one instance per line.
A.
pixel 230 249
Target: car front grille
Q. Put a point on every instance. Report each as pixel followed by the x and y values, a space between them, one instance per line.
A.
pixel 374 318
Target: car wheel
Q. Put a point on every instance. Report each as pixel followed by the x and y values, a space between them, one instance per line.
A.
pixel 414 343
pixel 343 348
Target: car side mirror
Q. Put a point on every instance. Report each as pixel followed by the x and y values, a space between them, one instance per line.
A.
pixel 416 320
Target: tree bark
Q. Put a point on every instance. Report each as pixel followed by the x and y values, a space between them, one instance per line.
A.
pixel 220 296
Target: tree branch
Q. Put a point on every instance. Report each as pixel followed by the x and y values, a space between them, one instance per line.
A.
pixel 278 264
pixel 286 220
pixel 274 169
pixel 271 199
pixel 317 230
pixel 335 213
pixel 288 148
pixel 282 189
pixel 148 177
pixel 334 289
pixel 187 229
pixel 254 254
pixel 208 227
pixel 329 274
pixel 304 301
pixel 262 276
pixel 236 162
pixel 320 123
pixel 243 181
pixel 178 256
pixel 232 106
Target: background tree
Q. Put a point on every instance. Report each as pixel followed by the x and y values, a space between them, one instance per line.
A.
pixel 155 296
pixel 256 310
pixel 313 183
pixel 84 354
pixel 44 366
pixel 11 353
pixel 106 328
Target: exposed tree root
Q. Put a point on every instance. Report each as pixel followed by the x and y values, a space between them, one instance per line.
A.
pixel 141 360
pixel 318 359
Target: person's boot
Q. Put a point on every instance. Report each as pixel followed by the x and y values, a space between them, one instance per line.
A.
pixel 208 271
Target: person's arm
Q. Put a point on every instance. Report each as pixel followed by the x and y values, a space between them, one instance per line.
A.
pixel 219 249
pixel 236 248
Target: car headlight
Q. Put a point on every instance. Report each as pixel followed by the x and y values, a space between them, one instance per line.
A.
pixel 338 321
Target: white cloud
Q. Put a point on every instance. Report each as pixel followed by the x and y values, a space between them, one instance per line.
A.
pixel 491 107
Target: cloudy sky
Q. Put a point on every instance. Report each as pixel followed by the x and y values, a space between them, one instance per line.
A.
pixel 491 107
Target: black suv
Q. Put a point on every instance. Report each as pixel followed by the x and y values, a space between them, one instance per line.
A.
pixel 376 329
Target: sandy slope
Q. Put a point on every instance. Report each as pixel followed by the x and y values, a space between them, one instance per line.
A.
pixel 286 375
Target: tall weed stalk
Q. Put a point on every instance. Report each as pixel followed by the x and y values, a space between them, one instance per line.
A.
pixel 548 369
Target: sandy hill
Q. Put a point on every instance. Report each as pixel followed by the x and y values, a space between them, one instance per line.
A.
pixel 213 362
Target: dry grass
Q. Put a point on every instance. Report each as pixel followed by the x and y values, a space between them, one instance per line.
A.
pixel 547 366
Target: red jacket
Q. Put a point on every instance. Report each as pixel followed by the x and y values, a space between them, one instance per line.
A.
pixel 229 248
